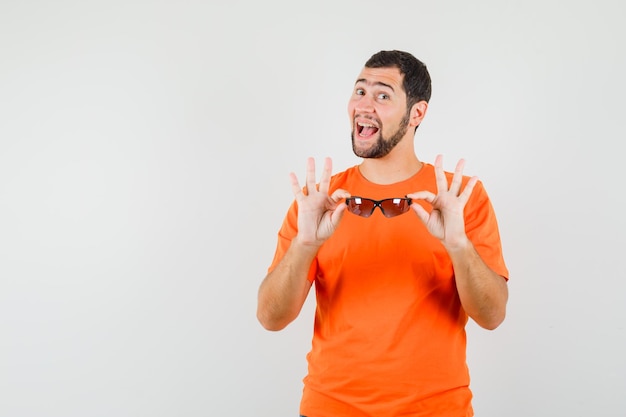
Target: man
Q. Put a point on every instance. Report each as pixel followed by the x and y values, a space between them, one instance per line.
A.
pixel 394 289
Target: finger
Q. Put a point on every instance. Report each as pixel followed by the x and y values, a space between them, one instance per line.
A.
pixel 339 194
pixel 295 186
pixel 422 195
pixel 326 175
pixel 310 176
pixel 421 212
pixel 337 214
pixel 339 210
pixel 440 176
pixel 457 179
pixel 467 191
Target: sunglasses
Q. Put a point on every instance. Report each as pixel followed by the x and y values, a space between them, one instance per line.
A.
pixel 390 207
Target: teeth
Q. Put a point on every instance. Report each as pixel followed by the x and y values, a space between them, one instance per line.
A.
pixel 365 125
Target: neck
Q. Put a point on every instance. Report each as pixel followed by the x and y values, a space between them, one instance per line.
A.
pixel 397 166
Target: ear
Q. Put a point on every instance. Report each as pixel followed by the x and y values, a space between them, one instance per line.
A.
pixel 418 111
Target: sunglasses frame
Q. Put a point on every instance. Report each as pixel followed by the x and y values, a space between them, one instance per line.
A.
pixel 377 203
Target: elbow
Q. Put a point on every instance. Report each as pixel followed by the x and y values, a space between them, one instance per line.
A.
pixel 491 325
pixel 270 325
pixel 492 322
pixel 269 321
pixel 490 313
pixel 275 312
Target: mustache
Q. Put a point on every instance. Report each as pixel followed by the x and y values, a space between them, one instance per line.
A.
pixel 368 117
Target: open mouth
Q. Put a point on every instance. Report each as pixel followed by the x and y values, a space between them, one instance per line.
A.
pixel 366 130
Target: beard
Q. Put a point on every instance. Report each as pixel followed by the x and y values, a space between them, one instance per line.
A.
pixel 383 146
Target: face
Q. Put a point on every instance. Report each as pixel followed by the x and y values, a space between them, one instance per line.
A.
pixel 378 112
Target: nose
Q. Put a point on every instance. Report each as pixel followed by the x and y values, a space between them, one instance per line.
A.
pixel 364 104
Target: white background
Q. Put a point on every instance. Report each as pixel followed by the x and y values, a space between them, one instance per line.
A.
pixel 144 157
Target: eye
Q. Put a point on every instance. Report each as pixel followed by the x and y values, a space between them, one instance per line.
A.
pixel 359 92
pixel 383 96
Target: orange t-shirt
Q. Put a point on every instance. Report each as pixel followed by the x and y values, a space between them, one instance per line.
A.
pixel 389 335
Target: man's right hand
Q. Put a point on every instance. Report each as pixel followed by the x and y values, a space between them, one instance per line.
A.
pixel 319 214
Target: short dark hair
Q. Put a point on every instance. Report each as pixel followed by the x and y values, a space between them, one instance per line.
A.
pixel 416 81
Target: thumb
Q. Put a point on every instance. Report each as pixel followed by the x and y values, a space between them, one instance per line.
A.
pixel 421 212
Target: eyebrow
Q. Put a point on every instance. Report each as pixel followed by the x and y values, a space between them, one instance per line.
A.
pixel 377 83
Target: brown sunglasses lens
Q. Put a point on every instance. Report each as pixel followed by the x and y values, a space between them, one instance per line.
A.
pixel 395 206
pixel 363 207
pixel 390 207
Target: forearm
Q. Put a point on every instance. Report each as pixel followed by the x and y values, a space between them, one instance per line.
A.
pixel 284 290
pixel 482 292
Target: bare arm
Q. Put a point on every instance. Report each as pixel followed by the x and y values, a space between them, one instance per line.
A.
pixel 284 290
pixel 482 292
